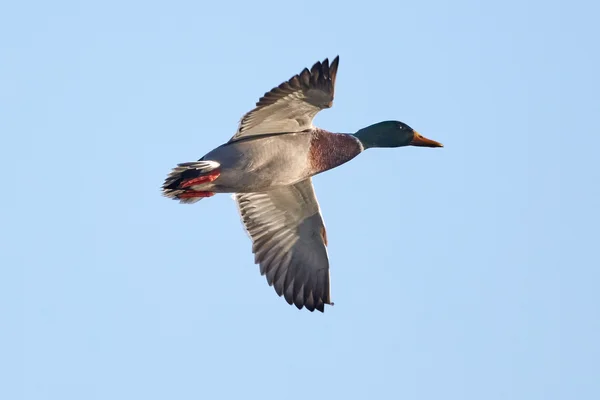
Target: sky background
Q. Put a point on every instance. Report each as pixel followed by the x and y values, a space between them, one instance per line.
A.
pixel 468 272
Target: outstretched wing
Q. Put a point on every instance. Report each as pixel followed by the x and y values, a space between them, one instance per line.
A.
pixel 288 241
pixel 291 106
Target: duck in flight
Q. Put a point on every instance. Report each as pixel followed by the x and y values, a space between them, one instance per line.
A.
pixel 268 165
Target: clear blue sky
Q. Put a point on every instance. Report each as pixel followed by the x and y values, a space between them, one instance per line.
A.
pixel 469 272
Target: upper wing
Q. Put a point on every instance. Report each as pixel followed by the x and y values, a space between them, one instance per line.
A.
pixel 288 240
pixel 291 106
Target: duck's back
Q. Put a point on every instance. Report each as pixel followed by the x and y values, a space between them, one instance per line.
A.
pixel 258 163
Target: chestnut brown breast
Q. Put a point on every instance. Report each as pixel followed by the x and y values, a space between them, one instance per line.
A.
pixel 329 150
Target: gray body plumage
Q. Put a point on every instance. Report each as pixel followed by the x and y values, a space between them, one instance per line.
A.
pixel 261 163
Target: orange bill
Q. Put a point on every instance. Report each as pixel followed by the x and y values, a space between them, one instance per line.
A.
pixel 419 140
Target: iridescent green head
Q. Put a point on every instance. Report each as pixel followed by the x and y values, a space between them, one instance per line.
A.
pixel 393 134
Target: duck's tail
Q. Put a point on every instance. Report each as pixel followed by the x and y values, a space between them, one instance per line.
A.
pixel 185 181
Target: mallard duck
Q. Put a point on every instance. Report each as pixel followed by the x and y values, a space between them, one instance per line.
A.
pixel 268 165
